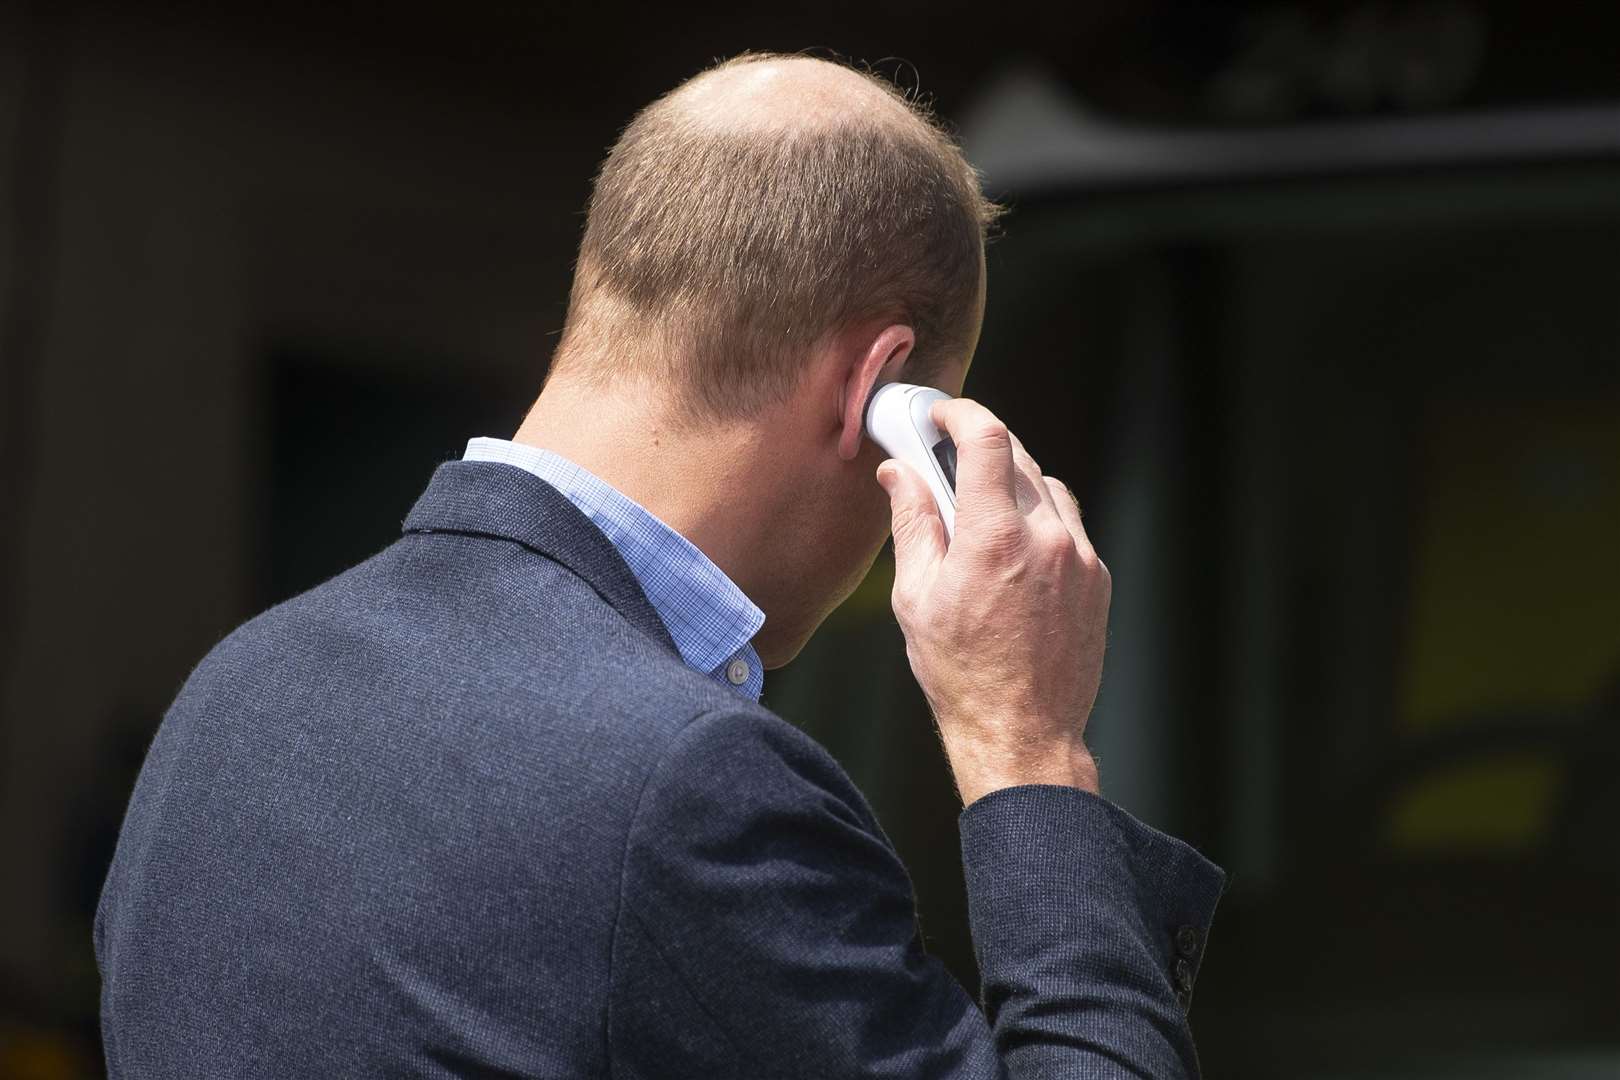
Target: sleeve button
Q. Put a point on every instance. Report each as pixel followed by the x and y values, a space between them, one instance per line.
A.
pixel 1187 942
pixel 1184 977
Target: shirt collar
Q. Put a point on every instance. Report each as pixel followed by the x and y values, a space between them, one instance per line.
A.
pixel 710 619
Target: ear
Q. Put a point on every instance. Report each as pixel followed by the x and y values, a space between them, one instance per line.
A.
pixel 878 362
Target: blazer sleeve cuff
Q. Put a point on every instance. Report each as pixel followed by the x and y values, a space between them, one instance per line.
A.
pixel 1056 872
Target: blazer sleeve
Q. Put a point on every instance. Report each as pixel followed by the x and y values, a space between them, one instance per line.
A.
pixel 768 929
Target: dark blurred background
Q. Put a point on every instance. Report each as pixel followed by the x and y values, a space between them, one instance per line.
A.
pixel 1317 307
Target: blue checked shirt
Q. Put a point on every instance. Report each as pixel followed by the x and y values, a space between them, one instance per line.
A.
pixel 709 618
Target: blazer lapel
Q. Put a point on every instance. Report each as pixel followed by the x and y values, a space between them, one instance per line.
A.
pixel 486 498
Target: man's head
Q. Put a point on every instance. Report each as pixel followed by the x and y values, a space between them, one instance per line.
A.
pixel 757 209
pixel 765 244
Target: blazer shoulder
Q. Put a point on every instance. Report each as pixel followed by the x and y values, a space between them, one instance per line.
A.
pixel 736 765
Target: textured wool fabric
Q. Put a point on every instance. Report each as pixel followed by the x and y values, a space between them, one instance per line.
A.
pixel 710 619
pixel 463 811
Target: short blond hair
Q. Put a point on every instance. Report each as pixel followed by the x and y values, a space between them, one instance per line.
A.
pixel 725 253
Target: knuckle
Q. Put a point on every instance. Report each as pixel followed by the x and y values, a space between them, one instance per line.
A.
pixel 1002 538
pixel 1053 540
pixel 906 520
pixel 1024 456
pixel 902 600
pixel 1062 494
pixel 901 521
pixel 991 433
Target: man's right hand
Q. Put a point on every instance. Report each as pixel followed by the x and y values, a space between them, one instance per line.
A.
pixel 1005 628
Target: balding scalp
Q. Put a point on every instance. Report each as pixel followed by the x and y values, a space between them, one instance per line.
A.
pixel 760 207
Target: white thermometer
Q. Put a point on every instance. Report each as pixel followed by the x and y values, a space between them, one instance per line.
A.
pixel 897 420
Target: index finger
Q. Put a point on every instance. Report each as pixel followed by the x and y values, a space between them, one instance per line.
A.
pixel 984 455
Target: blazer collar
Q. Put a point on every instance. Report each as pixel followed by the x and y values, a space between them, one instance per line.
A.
pixel 482 498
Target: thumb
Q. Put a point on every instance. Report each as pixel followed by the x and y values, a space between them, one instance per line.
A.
pixel 919 534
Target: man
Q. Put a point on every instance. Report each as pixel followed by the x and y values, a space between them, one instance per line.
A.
pixel 500 801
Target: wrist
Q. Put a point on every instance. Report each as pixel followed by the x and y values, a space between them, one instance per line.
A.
pixel 981 770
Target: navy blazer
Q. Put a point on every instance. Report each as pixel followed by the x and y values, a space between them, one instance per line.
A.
pixel 462 811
